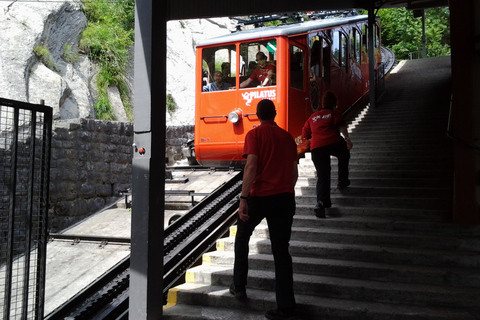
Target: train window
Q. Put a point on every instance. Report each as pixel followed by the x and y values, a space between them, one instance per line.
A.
pixel 296 67
pixel 365 45
pixel 358 46
pixel 351 44
pixel 259 59
pixel 336 47
pixel 340 50
pixel 327 54
pixel 316 45
pixel 343 52
pixel 221 61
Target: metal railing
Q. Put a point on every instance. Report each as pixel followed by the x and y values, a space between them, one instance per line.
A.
pixel 25 142
pixel 379 81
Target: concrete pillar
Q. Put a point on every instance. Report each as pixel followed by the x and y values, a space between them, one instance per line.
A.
pixel 465 39
pixel 148 165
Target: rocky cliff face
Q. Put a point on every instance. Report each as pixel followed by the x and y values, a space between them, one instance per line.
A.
pixel 69 87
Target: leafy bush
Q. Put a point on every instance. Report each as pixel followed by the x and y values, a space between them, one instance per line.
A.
pixel 107 39
pixel 402 32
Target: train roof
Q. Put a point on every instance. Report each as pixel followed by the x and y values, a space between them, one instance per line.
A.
pixel 283 30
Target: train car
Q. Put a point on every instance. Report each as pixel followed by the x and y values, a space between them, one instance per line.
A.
pixel 290 64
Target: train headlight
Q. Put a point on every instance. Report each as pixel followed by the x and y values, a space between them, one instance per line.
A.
pixel 235 116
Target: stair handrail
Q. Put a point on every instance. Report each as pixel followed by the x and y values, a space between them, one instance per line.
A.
pixel 450 131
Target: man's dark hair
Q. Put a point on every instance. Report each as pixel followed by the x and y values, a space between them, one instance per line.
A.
pixel 262 55
pixel 329 100
pixel 266 110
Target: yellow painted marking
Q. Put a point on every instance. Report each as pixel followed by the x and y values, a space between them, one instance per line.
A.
pixel 233 231
pixel 220 245
pixel 190 277
pixel 206 259
pixel 171 298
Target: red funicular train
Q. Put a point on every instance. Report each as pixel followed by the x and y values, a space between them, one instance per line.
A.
pixel 305 59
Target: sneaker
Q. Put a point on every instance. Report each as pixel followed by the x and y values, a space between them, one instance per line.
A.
pixel 343 185
pixel 238 293
pixel 319 210
pixel 278 314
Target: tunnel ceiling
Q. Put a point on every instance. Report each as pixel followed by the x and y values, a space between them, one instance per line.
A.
pixel 188 9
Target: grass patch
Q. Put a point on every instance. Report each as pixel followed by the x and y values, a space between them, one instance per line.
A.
pixel 45 56
pixel 171 104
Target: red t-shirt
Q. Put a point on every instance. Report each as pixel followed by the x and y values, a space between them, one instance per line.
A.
pixel 322 128
pixel 260 74
pixel 276 151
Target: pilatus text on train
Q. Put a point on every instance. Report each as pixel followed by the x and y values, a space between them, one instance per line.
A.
pixel 291 64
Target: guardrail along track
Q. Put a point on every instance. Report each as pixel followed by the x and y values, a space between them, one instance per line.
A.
pixel 185 241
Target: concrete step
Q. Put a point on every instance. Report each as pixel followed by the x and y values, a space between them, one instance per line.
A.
pixel 201 297
pixel 386 166
pixel 357 191
pixel 403 214
pixel 376 237
pixel 351 289
pixel 431 275
pixel 398 201
pixel 387 223
pixel 370 181
pixel 367 253
pixel 361 173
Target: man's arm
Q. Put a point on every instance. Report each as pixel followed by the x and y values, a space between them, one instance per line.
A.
pixel 249 173
pixel 295 173
pixel 344 131
pixel 246 83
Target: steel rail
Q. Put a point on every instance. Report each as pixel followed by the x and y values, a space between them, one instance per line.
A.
pixel 185 241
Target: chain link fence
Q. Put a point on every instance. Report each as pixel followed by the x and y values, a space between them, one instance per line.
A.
pixel 25 143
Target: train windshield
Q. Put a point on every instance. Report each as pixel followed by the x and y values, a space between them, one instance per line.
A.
pixel 256 66
pixel 259 63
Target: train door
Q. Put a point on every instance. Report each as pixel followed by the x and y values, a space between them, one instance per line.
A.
pixel 215 135
pixel 299 107
pixel 319 68
pixel 258 79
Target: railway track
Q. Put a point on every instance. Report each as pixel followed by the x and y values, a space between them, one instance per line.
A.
pixel 185 241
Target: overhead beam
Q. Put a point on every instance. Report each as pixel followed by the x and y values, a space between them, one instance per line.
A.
pixel 187 9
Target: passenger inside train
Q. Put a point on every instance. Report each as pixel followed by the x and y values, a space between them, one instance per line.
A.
pixel 264 73
pixel 217 83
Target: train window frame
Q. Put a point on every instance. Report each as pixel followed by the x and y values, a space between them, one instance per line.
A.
pixel 268 47
pixel 297 66
pixel 210 65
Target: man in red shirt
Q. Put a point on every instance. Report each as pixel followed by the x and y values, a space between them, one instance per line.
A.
pixel 323 128
pixel 269 180
pixel 264 73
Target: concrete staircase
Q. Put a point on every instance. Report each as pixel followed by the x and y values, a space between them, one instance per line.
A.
pixel 387 249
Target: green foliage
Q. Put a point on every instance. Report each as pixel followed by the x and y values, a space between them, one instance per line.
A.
pixel 45 56
pixel 402 33
pixel 171 104
pixel 69 55
pixel 107 39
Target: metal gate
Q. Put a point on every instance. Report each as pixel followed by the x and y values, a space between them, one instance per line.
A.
pixel 25 143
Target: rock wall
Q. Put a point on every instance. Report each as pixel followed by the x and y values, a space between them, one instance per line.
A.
pixel 91 163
